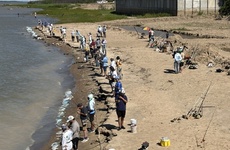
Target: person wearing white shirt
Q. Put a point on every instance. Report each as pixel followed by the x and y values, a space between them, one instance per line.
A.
pixel 91 111
pixel 66 138
pixel 177 61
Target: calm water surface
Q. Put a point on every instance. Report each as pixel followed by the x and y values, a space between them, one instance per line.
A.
pixel 33 80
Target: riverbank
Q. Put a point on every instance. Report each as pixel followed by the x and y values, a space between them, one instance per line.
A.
pixel 157 97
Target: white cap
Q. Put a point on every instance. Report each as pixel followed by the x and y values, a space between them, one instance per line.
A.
pixel 90 96
pixel 123 90
pixel 70 118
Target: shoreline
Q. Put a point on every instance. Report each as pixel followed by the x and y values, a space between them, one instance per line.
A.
pixel 156 97
pixel 84 84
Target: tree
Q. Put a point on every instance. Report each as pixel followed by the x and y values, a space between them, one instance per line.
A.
pixel 225 9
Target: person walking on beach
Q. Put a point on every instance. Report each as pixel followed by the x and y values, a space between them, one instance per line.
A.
pixel 66 138
pixel 82 111
pixel 121 100
pixel 91 112
pixel 75 128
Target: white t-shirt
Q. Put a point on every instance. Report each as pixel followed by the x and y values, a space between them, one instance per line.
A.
pixel 177 57
pixel 66 140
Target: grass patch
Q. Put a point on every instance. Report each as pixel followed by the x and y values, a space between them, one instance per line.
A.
pixel 72 13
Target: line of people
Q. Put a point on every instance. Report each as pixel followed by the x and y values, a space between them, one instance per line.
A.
pixel 96 50
pixel 71 129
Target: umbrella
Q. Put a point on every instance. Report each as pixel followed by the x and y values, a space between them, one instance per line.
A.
pixel 146 28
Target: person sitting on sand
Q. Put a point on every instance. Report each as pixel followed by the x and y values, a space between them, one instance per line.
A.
pixel 121 100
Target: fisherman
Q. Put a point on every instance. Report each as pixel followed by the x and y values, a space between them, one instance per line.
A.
pixel 75 128
pixel 66 138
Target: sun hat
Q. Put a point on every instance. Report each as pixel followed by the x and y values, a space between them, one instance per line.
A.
pixel 90 96
pixel 70 118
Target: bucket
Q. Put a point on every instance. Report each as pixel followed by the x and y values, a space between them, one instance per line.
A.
pixel 165 141
pixel 133 121
pixel 133 125
pixel 133 128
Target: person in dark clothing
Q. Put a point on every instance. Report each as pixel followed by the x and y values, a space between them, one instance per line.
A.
pixel 83 112
pixel 121 100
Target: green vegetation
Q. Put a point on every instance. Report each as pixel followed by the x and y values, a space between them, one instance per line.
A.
pixel 225 9
pixel 72 13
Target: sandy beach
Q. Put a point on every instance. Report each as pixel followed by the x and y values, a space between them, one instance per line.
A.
pixel 157 98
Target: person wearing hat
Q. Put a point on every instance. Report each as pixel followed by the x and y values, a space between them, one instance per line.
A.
pixel 83 112
pixel 117 87
pixel 66 138
pixel 91 112
pixel 75 128
pixel 121 101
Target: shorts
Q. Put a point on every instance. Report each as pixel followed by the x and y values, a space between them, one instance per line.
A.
pixel 91 117
pixel 105 68
pixel 84 124
pixel 121 113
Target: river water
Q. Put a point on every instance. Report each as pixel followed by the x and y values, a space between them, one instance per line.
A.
pixel 33 80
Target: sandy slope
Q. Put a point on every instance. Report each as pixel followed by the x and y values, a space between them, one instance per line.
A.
pixel 156 97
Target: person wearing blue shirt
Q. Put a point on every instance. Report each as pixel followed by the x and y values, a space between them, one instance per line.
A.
pixel 121 101
pixel 105 65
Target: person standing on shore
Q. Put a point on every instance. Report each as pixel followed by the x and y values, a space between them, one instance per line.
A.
pixel 119 67
pixel 104 65
pixel 104 31
pixel 121 100
pixel 66 138
pixel 91 111
pixel 74 126
pixel 177 61
pixel 78 34
pixel 82 111
pixel 118 87
pixel 72 36
pixel 103 45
